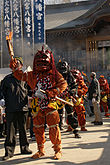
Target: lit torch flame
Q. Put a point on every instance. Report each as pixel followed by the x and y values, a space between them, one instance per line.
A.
pixel 10 36
pixel 84 74
pixel 9 44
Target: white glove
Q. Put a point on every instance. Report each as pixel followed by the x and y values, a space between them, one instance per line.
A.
pixel 94 94
pixel 39 94
pixel 2 102
pixel 93 100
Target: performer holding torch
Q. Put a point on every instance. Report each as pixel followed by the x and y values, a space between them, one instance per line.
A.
pixel 45 75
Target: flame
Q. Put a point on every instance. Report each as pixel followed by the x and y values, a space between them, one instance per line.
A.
pixel 10 36
pixel 84 74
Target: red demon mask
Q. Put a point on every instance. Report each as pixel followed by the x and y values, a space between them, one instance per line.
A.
pixel 77 74
pixel 102 81
pixel 42 60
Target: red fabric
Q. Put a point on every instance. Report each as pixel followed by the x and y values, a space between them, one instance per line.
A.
pixel 80 110
pixel 30 78
pixel 104 105
pixel 13 63
pixel 104 86
pixel 52 92
pixel 82 88
pixel 51 119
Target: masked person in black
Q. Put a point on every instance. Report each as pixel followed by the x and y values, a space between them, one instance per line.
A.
pixel 15 93
pixel 64 68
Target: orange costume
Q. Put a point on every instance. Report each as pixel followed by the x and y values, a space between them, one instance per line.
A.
pixel 78 105
pixel 104 87
pixel 46 76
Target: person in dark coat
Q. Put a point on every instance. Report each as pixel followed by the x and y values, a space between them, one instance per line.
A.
pixel 94 96
pixel 15 93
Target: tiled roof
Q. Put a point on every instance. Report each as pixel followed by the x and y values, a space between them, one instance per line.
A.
pixel 71 15
pixel 58 15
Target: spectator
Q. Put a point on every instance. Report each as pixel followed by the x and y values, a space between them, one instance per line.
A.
pixel 94 96
pixel 16 98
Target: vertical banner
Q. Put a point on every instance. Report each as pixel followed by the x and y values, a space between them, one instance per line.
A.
pixel 17 26
pixel 27 31
pixel 6 30
pixel 7 16
pixel 39 18
pixel 27 12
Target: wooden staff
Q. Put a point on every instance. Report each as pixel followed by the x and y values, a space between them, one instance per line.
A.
pixel 60 99
pixel 9 44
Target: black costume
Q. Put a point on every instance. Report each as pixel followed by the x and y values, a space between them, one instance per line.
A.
pixel 16 97
pixel 64 69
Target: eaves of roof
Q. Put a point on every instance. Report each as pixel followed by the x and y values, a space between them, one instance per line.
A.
pixel 69 17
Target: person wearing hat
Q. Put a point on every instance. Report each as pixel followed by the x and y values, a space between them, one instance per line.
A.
pixel 94 96
pixel 15 93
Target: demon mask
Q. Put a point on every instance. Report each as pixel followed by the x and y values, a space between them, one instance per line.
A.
pixel 42 60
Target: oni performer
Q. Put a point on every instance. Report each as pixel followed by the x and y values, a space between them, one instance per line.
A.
pixel 79 103
pixel 44 76
pixel 104 91
pixel 64 68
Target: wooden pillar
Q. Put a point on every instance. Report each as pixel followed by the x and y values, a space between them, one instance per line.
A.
pixel 87 56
